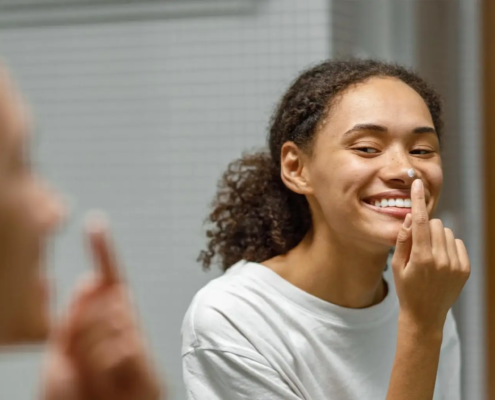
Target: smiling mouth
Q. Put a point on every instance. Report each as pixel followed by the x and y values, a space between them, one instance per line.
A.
pixel 399 202
pixel 397 207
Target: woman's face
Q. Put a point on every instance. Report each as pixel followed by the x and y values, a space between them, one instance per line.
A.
pixel 29 215
pixel 374 134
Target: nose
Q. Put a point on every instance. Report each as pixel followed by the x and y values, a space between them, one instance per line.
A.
pixel 57 214
pixel 56 211
pixel 62 210
pixel 400 171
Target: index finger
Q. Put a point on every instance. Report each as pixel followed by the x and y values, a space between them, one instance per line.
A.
pixel 420 218
pixel 102 249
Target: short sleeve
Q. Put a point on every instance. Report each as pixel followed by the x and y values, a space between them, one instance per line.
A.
pixel 223 375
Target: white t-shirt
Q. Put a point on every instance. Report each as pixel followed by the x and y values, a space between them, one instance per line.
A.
pixel 250 334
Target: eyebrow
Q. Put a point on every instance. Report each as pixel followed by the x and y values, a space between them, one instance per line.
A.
pixel 380 128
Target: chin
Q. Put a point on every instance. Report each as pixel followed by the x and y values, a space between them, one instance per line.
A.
pixel 387 237
pixel 36 325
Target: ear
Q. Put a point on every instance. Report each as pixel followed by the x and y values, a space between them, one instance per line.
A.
pixel 294 169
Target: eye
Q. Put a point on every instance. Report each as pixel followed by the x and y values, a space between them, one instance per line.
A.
pixel 421 152
pixel 367 150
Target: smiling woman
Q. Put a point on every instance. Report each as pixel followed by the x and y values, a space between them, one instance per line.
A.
pixel 272 218
pixel 303 231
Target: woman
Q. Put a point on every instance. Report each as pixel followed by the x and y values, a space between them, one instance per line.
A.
pixel 99 342
pixel 303 231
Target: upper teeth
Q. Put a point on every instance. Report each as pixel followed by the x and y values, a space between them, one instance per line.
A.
pixel 406 203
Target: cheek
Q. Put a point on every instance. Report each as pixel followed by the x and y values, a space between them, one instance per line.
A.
pixel 434 178
pixel 343 177
pixel 337 189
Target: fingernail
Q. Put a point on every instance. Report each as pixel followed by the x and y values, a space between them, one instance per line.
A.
pixel 417 184
pixel 96 221
pixel 407 221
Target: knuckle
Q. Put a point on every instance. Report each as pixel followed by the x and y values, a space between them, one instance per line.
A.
pixel 467 269
pixel 123 356
pixel 402 237
pixel 424 258
pixel 463 275
pixel 427 260
pixel 443 262
pixel 422 218
pixel 115 327
pixel 115 309
pixel 456 265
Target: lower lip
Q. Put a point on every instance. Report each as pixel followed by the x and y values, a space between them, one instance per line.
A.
pixel 396 212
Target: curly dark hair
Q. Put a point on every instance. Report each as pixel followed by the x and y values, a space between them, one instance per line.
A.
pixel 255 216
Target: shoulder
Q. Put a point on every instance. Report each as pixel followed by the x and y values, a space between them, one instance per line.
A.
pixel 222 313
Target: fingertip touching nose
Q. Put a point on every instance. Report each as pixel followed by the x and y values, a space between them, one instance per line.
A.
pixel 405 175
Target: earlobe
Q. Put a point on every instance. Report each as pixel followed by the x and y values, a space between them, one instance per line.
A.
pixel 298 184
pixel 304 185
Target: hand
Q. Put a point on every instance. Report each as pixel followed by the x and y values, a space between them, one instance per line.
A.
pixel 99 351
pixel 430 266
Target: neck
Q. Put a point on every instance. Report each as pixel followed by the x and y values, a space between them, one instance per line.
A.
pixel 335 269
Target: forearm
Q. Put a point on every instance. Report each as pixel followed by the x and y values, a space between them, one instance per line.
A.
pixel 416 363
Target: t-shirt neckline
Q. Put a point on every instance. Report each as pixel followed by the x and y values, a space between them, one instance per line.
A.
pixel 319 307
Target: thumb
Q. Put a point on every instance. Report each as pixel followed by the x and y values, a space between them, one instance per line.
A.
pixel 59 377
pixel 59 336
pixel 403 245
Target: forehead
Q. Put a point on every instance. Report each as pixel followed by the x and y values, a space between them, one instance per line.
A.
pixel 383 101
pixel 14 116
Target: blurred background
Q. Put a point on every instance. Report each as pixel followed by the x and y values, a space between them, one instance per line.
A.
pixel 141 104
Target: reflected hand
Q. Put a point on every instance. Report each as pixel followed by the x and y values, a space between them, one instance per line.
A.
pixel 99 351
